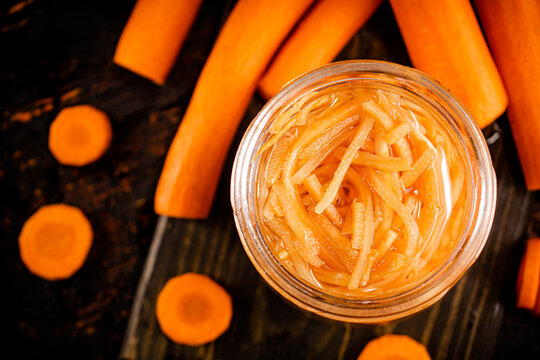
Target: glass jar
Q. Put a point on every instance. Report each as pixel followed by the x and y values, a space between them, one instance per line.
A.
pixel 480 180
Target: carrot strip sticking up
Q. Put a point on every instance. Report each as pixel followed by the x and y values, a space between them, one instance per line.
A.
pixel 511 28
pixel 247 42
pixel 393 346
pixel 443 39
pixel 193 309
pixel 423 162
pixel 54 242
pixel 318 39
pixel 356 142
pixel 529 276
pixel 79 135
pixel 154 35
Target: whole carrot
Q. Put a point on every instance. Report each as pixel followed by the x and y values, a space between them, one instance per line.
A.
pixel 443 39
pixel 247 42
pixel 513 32
pixel 317 40
pixel 153 36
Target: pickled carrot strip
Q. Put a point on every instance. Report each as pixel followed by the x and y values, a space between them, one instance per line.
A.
pixel 420 165
pixel 318 157
pixel 387 218
pixel 384 163
pixel 331 277
pixel 328 135
pixel 375 111
pixel 272 207
pixel 275 163
pixel 367 271
pixel 397 133
pixel 365 194
pixel 365 245
pixel 359 224
pixel 296 216
pixel 286 235
pixel 411 227
pixel 361 134
pixel 386 244
pixel 314 188
pixel 283 254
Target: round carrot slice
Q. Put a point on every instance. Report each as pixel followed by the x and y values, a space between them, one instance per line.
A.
pixel 529 276
pixel 79 135
pixel 54 242
pixel 193 309
pixel 394 347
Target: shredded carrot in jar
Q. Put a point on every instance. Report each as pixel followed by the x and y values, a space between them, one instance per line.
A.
pixel 363 191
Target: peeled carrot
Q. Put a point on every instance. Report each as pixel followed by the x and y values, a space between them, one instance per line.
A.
pixel 247 42
pixel 54 242
pixel 79 135
pixel 512 30
pixel 389 347
pixel 153 36
pixel 444 40
pixel 529 276
pixel 316 41
pixel 193 309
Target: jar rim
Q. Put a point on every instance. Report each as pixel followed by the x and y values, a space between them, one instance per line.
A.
pixel 411 299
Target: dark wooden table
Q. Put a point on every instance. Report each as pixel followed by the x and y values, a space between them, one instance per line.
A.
pixel 58 53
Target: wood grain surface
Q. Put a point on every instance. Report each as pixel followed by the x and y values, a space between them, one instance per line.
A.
pixel 56 53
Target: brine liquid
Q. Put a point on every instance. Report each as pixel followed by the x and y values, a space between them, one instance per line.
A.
pixel 362 192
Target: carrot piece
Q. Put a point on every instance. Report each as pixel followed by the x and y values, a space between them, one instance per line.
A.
pixel 511 28
pixel 393 346
pixel 153 36
pixel 529 276
pixel 79 135
pixel 443 39
pixel 193 309
pixel 247 42
pixel 54 242
pixel 318 39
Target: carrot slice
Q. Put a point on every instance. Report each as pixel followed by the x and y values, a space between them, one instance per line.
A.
pixel 193 309
pixel 318 39
pixel 153 36
pixel 443 39
pixel 79 135
pixel 54 242
pixel 529 276
pixel 247 42
pixel 391 346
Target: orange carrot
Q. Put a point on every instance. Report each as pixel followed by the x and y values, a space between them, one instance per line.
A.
pixel 54 242
pixel 443 39
pixel 388 347
pixel 193 309
pixel 153 36
pixel 317 40
pixel 247 42
pixel 79 135
pixel 529 276
pixel 512 30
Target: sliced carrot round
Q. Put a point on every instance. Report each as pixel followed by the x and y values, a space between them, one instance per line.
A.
pixel 193 309
pixel 529 276
pixel 54 242
pixel 79 135
pixel 394 347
